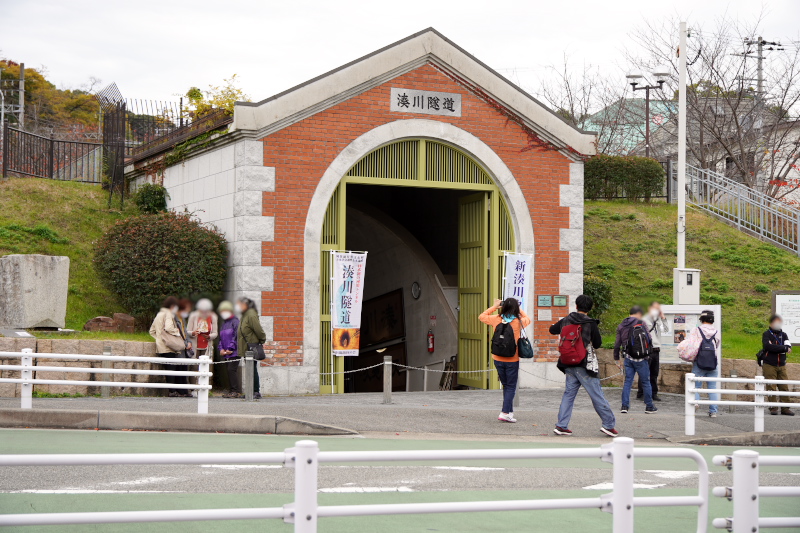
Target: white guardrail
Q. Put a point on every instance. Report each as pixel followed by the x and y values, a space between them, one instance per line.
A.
pixel 27 368
pixel 746 493
pixel 305 458
pixel 759 402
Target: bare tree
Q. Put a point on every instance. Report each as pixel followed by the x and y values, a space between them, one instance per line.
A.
pixel 733 128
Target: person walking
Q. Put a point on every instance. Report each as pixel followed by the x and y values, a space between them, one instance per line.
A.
pixel 633 345
pixel 656 324
pixel 170 341
pixel 507 367
pixel 586 372
pixel 228 348
pixel 776 345
pixel 705 362
pixel 250 332
pixel 202 327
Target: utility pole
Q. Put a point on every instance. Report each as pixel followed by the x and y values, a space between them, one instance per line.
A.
pixel 21 96
pixel 682 53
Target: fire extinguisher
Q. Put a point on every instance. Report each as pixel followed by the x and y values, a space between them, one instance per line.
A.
pixel 430 341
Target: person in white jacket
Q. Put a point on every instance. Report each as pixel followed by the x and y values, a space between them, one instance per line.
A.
pixel 706 330
pixel 165 326
pixel 656 324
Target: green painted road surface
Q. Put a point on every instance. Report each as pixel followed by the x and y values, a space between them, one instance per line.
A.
pixel 70 489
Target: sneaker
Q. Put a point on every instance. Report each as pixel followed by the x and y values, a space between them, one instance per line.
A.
pixel 656 398
pixel 257 396
pixel 562 431
pixel 651 410
pixel 696 407
pixel 712 415
pixel 506 417
pixel 610 432
pixel 773 411
pixel 624 409
pixel 787 412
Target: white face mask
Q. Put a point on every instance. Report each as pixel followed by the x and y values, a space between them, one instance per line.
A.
pixel 654 313
pixel 184 314
pixel 225 315
pixel 174 310
pixel 777 325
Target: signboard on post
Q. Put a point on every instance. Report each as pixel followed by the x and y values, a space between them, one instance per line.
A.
pixel 787 304
pixel 681 320
pixel 347 295
pixel 517 278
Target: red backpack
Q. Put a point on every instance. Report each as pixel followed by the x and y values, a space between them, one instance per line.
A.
pixel 570 345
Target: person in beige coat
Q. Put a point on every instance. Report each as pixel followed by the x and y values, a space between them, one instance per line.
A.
pixel 164 327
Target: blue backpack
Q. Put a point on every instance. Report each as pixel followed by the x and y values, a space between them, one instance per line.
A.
pixel 707 354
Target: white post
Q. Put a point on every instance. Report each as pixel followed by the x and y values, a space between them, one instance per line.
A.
pixel 248 376
pixel 622 496
pixel 425 379
pixel 683 53
pixel 688 407
pixel 387 379
pixel 202 394
pixel 105 391
pixel 26 393
pixel 759 408
pixel 745 491
pixel 305 486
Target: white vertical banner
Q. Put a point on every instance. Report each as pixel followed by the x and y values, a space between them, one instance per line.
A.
pixel 517 278
pixel 347 295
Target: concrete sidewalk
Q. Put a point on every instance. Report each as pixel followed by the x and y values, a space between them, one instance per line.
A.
pixel 462 413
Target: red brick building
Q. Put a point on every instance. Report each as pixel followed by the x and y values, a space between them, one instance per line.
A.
pixel 431 162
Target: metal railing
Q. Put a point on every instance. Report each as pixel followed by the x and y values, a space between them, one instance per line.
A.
pixel 759 402
pixel 26 368
pixel 305 458
pixel 27 154
pixel 746 492
pixel 745 208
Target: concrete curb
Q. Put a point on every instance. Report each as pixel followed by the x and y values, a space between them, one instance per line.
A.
pixel 90 419
pixel 772 438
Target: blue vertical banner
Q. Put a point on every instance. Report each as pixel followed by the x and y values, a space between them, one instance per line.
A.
pixel 517 278
pixel 347 295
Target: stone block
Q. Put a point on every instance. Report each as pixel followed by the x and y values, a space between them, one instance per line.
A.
pixel 253 278
pixel 571 239
pixel 7 344
pixel 245 253
pixel 571 196
pixel 70 376
pixel 44 346
pixel 247 203
pixel 100 323
pixel 255 178
pixel 24 344
pixel 571 283
pixel 248 153
pixel 68 346
pixel 254 228
pixel 9 390
pixel 33 291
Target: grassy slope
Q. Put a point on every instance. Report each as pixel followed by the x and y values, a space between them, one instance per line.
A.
pixel 633 245
pixel 61 218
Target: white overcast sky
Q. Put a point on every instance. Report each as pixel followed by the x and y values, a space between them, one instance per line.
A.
pixel 155 49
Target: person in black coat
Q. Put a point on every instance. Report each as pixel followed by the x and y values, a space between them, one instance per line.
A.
pixel 776 345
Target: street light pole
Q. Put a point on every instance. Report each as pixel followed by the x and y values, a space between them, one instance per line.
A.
pixel 660 74
pixel 682 53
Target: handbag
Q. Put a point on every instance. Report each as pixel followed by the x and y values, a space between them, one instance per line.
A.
pixel 258 351
pixel 174 343
pixel 524 345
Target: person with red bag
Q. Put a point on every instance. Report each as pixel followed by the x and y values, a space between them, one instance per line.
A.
pixel 579 337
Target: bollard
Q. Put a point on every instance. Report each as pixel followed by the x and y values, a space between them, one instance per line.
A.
pixel 105 391
pixel 306 470
pixel 202 394
pixel 733 374
pixel 688 407
pixel 759 408
pixel 622 495
pixel 745 491
pixel 387 379
pixel 248 376
pixel 26 393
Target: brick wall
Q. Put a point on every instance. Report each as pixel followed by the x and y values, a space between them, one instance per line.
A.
pixel 303 151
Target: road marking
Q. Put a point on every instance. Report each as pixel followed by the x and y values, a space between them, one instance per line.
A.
pixel 87 491
pixel 610 486
pixel 143 481
pixel 367 489
pixel 672 474
pixel 467 468
pixel 240 467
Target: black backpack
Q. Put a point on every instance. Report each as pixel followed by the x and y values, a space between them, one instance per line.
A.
pixel 638 342
pixel 707 353
pixel 503 342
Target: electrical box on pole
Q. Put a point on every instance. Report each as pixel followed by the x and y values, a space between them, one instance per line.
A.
pixel 686 286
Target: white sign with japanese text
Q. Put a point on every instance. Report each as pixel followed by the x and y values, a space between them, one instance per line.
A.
pixel 517 278
pixel 347 292
pixel 788 306
pixel 425 102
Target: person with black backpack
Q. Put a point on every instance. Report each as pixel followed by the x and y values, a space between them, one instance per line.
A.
pixel 634 345
pixel 508 325
pixel 579 337
pixel 706 362
pixel 775 345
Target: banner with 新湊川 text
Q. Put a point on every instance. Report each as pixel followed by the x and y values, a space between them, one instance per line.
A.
pixel 517 278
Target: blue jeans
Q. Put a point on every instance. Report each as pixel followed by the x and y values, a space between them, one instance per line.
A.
pixel 641 367
pixel 508 374
pixel 713 396
pixel 577 376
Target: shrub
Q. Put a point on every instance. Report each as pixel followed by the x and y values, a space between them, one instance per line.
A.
pixel 616 216
pixel 148 257
pixel 151 198
pixel 761 288
pixel 610 176
pixel 600 291
pixel 661 284
pixel 755 302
